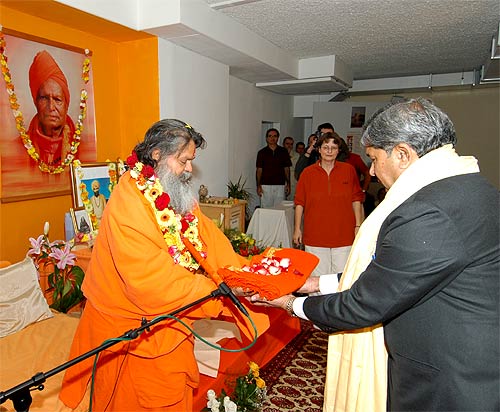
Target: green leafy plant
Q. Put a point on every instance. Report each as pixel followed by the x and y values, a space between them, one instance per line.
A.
pixel 248 394
pixel 239 191
pixel 64 277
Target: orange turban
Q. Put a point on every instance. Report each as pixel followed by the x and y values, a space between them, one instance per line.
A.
pixel 44 67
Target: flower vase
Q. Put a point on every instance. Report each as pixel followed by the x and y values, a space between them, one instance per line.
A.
pixel 43 278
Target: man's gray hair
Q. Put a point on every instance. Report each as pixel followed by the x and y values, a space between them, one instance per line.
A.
pixel 170 136
pixel 416 122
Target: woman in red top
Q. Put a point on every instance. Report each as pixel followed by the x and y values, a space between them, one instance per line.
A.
pixel 329 198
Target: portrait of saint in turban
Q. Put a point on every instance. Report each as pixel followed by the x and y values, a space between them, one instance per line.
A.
pixel 51 121
pixel 51 129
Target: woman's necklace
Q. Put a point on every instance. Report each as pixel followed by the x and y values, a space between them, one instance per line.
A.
pixel 173 225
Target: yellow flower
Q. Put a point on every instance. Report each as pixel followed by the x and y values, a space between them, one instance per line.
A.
pixel 165 217
pixel 185 259
pixel 254 368
pixel 260 383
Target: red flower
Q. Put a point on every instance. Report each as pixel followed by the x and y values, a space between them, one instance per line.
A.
pixel 184 225
pixel 255 250
pixel 244 251
pixel 189 217
pixel 162 201
pixel 132 160
pixel 147 171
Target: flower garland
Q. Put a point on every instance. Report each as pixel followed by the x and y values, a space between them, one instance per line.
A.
pixel 18 115
pixel 171 224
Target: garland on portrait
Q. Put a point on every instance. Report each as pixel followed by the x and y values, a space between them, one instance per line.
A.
pixel 74 142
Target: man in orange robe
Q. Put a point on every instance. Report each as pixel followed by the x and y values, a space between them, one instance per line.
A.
pixel 139 270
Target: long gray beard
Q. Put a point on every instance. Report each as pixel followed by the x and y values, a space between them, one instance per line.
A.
pixel 182 199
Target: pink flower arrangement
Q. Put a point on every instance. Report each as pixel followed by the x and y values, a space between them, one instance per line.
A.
pixel 65 277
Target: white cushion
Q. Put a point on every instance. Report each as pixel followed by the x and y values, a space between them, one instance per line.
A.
pixel 21 299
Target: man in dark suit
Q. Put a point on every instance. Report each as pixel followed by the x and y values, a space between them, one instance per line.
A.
pixel 432 277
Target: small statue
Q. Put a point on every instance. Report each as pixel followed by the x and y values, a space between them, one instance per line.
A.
pixel 203 193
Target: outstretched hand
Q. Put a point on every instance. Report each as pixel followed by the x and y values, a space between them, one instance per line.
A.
pixel 276 303
pixel 310 286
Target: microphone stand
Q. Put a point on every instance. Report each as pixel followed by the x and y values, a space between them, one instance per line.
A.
pixel 20 394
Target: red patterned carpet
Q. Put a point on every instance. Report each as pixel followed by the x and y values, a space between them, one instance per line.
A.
pixel 295 377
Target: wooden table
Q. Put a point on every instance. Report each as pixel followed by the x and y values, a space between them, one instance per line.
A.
pixel 233 215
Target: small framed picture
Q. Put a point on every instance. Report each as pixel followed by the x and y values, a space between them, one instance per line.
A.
pixel 91 186
pixel 81 220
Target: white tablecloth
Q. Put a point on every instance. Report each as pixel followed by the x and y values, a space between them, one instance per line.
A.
pixel 273 227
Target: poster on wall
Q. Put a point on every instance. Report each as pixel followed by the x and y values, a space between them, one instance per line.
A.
pixel 358 117
pixel 46 113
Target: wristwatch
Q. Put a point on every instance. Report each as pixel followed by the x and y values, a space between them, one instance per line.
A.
pixel 289 306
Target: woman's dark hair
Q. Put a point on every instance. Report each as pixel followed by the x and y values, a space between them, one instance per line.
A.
pixel 325 137
pixel 170 136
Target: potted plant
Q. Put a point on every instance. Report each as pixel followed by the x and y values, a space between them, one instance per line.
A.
pixel 55 260
pixel 239 191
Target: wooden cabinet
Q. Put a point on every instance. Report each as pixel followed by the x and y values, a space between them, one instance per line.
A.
pixel 232 216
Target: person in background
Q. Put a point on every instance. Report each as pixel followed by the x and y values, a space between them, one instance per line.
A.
pixel 329 199
pixel 362 170
pixel 273 171
pixel 420 292
pixel 310 155
pixel 288 144
pixel 140 269
pixel 380 195
pixel 98 200
pixel 51 130
pixel 300 147
pixel 294 156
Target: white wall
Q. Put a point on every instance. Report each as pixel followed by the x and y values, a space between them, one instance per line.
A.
pixel 249 107
pixel 194 89
pixel 475 112
pixel 226 110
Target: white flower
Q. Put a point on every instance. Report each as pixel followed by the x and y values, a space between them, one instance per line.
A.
pixel 46 227
pixel 211 394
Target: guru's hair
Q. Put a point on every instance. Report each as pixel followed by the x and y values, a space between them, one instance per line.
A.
pixel 416 122
pixel 170 136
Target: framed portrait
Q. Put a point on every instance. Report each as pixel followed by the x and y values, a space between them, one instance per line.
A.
pixel 81 220
pixel 37 149
pixel 358 117
pixel 91 187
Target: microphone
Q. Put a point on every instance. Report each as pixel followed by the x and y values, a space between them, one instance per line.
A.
pixel 226 290
pixel 222 286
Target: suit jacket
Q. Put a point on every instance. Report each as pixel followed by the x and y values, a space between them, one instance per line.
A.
pixel 434 284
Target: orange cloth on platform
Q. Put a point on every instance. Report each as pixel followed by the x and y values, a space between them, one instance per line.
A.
pixel 131 275
pixel 273 286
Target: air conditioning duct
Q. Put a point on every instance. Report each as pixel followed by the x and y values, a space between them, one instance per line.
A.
pixel 490 72
pixel 316 75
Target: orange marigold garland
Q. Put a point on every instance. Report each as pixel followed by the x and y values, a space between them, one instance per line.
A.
pixel 172 225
